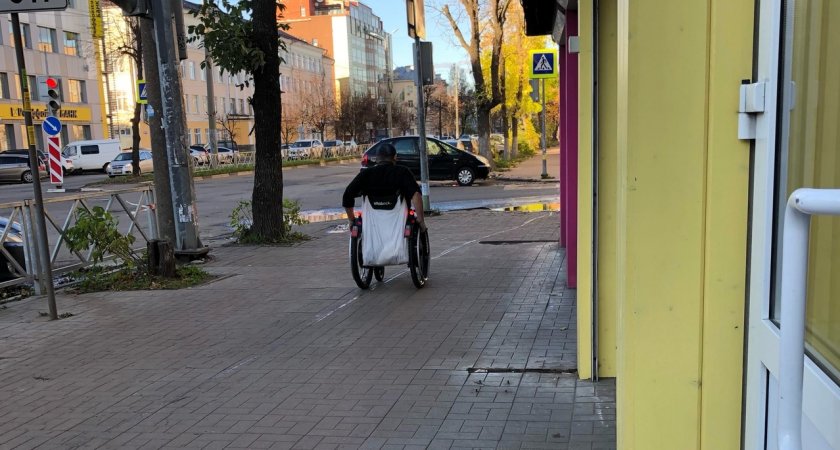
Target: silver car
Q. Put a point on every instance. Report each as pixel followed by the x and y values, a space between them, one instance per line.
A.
pixel 16 168
pixel 306 149
pixel 121 165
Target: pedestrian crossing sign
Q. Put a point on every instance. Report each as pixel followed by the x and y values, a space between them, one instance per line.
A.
pixel 543 63
pixel 142 97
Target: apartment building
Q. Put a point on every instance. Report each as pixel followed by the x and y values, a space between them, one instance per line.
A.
pixel 58 44
pixel 307 79
pixel 352 35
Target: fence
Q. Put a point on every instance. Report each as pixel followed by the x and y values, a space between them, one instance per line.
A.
pixel 246 159
pixel 133 208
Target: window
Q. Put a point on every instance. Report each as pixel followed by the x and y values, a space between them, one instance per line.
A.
pixel 197 134
pixel 90 149
pixel 33 88
pixel 7 137
pixel 204 74
pixel 405 147
pixel 71 44
pixel 197 108
pixel 4 85
pixel 432 149
pixel 24 35
pixel 77 92
pixel 186 103
pixel 191 66
pixel 233 106
pixel 241 106
pixel 46 40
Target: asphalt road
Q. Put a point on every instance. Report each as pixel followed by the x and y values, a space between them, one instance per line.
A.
pixel 317 188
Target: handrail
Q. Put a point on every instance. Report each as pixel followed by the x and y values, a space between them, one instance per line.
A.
pixel 801 205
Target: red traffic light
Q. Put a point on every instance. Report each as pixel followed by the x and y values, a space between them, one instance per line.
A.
pixel 52 83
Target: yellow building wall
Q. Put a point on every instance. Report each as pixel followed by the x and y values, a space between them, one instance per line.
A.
pixel 584 200
pixel 673 218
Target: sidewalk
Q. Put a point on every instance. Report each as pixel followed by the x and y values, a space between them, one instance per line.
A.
pixel 531 168
pixel 283 351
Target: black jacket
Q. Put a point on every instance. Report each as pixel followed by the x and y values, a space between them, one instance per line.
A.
pixel 383 179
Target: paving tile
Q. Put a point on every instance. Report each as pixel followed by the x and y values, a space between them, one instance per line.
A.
pixel 285 352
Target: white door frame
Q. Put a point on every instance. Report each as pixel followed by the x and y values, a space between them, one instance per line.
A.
pixel 821 396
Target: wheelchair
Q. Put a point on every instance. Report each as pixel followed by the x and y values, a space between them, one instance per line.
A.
pixel 418 254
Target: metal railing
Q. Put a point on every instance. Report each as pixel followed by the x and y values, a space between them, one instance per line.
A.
pixel 132 208
pixel 801 205
pixel 247 159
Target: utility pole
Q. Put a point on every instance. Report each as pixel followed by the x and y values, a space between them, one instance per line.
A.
pixel 389 86
pixel 211 109
pixel 421 125
pixel 188 243
pixel 42 244
pixel 457 100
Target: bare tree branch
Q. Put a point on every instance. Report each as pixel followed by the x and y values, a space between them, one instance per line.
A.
pixel 456 29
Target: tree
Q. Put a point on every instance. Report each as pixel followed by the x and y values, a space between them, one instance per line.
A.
pixel 354 112
pixel 228 126
pixel 290 122
pixel 319 109
pixel 243 36
pixel 488 91
pixel 130 45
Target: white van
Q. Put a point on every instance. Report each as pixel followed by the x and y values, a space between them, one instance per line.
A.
pixel 92 155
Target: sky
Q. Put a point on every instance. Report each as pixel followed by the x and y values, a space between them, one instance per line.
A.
pixel 446 51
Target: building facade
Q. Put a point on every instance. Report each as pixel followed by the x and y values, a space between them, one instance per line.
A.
pixel 234 117
pixel 307 82
pixel 58 44
pixel 352 35
pixel 706 277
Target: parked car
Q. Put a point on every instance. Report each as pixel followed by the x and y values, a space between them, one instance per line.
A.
pixel 467 145
pixel 333 148
pixel 351 146
pixel 16 168
pixel 228 155
pixel 122 165
pixel 306 149
pixel 91 155
pixel 14 245
pixel 22 151
pixel 200 155
pixel 445 161
pixel 284 151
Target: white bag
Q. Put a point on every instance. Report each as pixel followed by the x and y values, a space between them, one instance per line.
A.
pixel 383 235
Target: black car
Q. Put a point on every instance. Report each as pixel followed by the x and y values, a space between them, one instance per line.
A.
pixel 445 161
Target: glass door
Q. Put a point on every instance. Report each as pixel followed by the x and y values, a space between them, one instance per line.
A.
pixel 797 145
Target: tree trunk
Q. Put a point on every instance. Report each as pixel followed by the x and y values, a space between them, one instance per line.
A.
pixel 163 192
pixel 514 132
pixel 483 125
pixel 505 132
pixel 267 197
pixel 135 135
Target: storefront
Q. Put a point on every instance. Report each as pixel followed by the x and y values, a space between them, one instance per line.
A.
pixel 76 125
pixel 695 122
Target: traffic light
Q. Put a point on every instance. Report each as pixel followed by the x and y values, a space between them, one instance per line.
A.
pixel 53 96
pixel 134 7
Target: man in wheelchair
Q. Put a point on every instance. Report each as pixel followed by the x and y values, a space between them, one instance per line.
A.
pixel 381 184
pixel 392 234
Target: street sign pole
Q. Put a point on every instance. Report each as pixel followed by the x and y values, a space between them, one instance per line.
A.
pixel 42 245
pixel 542 125
pixel 421 127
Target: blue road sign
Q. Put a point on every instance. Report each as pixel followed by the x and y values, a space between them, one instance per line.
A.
pixel 52 126
pixel 142 96
pixel 543 63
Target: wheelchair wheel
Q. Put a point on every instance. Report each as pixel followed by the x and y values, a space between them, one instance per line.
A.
pixel 379 273
pixel 419 257
pixel 361 275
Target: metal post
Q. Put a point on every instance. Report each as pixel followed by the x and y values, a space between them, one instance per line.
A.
pixel 42 242
pixel 211 109
pixel 180 177
pixel 457 99
pixel 388 85
pixel 542 135
pixel 421 127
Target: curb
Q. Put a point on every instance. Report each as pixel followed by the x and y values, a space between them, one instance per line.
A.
pixel 528 180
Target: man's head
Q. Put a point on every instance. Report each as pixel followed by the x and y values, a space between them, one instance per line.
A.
pixel 387 153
